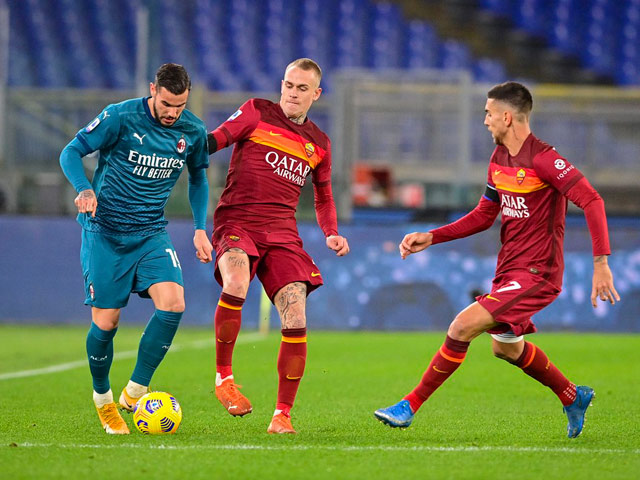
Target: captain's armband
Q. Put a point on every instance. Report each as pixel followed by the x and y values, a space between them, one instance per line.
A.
pixel 490 193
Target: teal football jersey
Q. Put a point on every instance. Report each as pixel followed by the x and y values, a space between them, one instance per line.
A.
pixel 139 163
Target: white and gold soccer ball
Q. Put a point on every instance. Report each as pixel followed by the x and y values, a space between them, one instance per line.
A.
pixel 157 413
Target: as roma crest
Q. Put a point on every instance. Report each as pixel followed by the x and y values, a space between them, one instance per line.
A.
pixel 309 149
pixel 520 176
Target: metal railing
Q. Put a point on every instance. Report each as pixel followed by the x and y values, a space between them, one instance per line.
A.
pixel 426 129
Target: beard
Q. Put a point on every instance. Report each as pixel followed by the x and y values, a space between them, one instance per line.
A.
pixel 159 118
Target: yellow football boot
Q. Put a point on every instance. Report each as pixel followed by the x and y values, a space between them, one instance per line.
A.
pixel 111 420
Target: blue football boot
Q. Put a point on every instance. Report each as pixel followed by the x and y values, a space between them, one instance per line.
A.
pixel 576 411
pixel 396 416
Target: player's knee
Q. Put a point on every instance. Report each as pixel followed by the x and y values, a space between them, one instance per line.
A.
pixel 293 319
pixel 107 324
pixel 500 354
pixel 176 305
pixel 460 329
pixel 293 367
pixel 503 352
pixel 236 284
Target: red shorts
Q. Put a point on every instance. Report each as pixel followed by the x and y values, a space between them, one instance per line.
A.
pixel 515 297
pixel 276 257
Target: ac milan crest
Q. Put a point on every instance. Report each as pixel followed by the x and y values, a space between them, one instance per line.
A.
pixel 182 145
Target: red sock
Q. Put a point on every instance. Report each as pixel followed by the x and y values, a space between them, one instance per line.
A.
pixel 443 364
pixel 291 362
pixel 227 321
pixel 535 363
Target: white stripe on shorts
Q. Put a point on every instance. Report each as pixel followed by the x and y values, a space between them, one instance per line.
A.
pixel 507 337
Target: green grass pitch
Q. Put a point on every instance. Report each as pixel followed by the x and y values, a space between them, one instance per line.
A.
pixel 488 421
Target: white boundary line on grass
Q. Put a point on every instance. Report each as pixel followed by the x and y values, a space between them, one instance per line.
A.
pixel 61 367
pixel 345 448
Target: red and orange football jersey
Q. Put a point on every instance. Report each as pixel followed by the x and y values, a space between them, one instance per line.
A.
pixel 270 163
pixel 530 191
pixel 531 187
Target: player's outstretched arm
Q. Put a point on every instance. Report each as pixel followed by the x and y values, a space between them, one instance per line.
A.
pixel 603 287
pixel 203 246
pixel 338 244
pixel 415 242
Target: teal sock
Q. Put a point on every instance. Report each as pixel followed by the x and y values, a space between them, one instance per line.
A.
pixel 100 354
pixel 154 344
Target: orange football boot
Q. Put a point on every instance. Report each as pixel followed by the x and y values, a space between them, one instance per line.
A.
pixel 281 423
pixel 231 398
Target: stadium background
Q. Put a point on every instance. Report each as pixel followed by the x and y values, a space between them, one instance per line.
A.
pixel 404 83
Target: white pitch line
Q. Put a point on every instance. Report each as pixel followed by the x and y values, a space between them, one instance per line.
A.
pixel 61 367
pixel 344 448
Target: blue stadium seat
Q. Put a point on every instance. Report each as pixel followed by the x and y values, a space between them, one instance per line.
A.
pixel 210 42
pixel 422 45
pixel 455 55
pixel 21 69
pixel 489 70
pixel 80 60
pixel 280 35
pixel 567 26
pixel 533 16
pixel 499 7
pixel 174 34
pixel 387 37
pixel 603 23
pixel 239 44
pixel 628 68
pixel 244 35
pixel 352 36
pixel 317 21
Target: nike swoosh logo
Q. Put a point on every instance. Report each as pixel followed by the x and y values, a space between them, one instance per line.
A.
pixel 492 298
pixel 512 285
pixel 439 371
pixel 289 377
pixel 315 274
pixel 497 172
pixel 275 134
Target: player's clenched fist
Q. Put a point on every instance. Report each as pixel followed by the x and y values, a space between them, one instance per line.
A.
pixel 203 246
pixel 87 202
pixel 338 244
pixel 415 242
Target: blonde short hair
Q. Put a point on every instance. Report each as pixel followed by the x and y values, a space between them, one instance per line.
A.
pixel 306 64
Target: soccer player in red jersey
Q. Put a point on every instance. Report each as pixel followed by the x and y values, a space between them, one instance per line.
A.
pixel 255 231
pixel 529 183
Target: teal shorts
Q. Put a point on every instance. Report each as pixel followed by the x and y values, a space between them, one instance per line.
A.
pixel 115 266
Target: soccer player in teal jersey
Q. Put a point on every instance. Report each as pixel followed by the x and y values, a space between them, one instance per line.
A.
pixel 144 144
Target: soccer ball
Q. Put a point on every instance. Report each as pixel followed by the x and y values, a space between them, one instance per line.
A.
pixel 156 413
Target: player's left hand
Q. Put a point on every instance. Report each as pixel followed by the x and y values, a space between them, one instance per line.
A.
pixel 338 244
pixel 603 287
pixel 203 246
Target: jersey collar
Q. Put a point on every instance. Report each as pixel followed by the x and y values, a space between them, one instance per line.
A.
pixel 145 104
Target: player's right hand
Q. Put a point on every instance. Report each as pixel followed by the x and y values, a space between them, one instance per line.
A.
pixel 87 202
pixel 203 246
pixel 415 242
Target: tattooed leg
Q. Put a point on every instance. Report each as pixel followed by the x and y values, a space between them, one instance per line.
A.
pixel 234 270
pixel 291 302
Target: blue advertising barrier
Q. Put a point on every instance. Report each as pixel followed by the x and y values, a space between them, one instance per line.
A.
pixel 370 289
